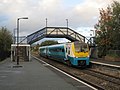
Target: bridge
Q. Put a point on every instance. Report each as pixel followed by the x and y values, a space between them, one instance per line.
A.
pixel 55 32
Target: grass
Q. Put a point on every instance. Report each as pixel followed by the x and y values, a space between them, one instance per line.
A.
pixel 114 55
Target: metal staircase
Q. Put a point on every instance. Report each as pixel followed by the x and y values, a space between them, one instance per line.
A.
pixel 92 42
pixel 93 47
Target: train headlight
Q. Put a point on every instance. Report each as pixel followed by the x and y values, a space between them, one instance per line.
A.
pixel 88 56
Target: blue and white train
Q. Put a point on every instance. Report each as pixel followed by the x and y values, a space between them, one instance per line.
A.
pixel 74 53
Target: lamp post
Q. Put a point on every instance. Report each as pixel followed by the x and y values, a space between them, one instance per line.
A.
pixel 14 38
pixel 46 22
pixel 18 38
pixel 67 25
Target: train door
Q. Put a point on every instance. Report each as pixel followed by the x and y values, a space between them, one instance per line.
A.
pixel 68 50
pixel 68 54
pixel 47 52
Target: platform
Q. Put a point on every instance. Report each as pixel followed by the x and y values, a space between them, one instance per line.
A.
pixel 105 62
pixel 35 76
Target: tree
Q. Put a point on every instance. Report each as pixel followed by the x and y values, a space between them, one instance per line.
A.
pixel 45 43
pixel 5 42
pixel 108 28
pixel 48 42
pixel 116 25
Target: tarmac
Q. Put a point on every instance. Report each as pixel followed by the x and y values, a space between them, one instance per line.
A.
pixel 35 76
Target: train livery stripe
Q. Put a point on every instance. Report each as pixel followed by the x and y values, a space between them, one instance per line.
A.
pixel 66 74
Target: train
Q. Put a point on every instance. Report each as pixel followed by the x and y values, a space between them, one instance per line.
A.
pixel 72 54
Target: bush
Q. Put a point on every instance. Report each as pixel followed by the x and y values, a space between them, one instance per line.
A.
pixel 114 53
pixel 5 43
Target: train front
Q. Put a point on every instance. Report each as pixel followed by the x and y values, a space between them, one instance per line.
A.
pixel 80 54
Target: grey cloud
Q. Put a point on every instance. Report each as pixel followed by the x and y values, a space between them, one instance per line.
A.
pixel 81 15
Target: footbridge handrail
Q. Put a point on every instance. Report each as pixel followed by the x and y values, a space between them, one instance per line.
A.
pixel 55 32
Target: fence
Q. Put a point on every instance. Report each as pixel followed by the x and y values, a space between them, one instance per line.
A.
pixel 4 54
pixel 114 53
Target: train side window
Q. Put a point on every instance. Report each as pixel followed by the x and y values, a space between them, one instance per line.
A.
pixel 50 50
pixel 59 50
pixel 54 50
pixel 62 50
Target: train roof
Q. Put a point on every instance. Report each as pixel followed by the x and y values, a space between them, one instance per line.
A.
pixel 13 45
pixel 58 45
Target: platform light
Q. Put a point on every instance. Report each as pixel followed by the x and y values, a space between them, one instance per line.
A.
pixel 18 37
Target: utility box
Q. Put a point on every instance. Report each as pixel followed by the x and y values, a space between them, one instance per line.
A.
pixel 23 52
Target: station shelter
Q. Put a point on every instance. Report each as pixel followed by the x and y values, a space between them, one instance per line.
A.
pixel 23 52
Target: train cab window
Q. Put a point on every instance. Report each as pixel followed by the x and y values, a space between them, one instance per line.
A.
pixel 81 47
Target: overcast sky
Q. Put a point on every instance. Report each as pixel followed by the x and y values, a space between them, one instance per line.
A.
pixel 82 14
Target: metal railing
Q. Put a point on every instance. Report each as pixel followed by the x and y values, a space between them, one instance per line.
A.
pixel 55 32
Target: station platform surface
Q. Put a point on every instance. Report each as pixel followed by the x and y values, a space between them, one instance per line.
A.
pixel 35 76
pixel 114 63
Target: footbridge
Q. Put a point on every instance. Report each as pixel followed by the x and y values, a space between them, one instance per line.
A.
pixel 55 32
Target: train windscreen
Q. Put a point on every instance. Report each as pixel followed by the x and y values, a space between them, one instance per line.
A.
pixel 81 47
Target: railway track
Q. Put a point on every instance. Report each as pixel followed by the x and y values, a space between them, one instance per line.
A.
pixel 113 79
pixel 109 81
pixel 112 74
pixel 90 76
pixel 106 69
